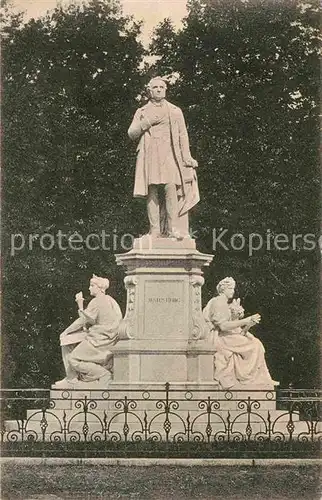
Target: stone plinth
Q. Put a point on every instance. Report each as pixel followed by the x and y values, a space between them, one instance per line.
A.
pixel 163 335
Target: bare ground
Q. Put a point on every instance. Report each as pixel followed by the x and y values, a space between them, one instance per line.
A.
pixel 96 482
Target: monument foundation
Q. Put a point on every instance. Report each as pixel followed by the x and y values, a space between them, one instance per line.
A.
pixel 163 336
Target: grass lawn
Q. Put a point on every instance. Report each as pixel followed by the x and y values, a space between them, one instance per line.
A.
pixel 96 482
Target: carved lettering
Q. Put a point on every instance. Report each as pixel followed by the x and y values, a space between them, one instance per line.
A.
pixel 164 309
pixel 163 300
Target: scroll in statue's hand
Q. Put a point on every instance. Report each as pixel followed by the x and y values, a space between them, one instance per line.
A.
pixel 79 298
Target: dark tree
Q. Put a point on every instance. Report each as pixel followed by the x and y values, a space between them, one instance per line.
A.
pixel 69 85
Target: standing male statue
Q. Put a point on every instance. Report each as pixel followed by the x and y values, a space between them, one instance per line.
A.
pixel 165 170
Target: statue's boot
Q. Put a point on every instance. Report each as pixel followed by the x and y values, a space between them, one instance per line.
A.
pixel 100 383
pixel 66 383
pixel 176 234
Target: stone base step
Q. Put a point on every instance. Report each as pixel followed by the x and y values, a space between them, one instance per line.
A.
pixel 188 397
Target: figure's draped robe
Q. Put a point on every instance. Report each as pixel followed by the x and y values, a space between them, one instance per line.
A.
pixel 239 359
pixel 89 337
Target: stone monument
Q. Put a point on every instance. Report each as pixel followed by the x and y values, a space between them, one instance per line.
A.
pixel 163 336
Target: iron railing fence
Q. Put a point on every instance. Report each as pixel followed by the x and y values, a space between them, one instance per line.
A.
pixel 164 422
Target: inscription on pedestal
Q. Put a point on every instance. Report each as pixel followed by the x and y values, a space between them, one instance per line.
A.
pixel 164 309
pixel 163 300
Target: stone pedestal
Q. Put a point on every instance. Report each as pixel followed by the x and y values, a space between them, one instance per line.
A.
pixel 163 336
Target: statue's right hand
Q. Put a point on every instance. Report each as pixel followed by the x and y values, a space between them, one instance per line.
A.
pixel 255 319
pixel 152 118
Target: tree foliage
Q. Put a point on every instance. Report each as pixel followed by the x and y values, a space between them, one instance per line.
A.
pixel 70 82
pixel 248 85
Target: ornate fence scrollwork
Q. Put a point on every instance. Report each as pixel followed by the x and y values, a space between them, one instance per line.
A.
pixel 163 422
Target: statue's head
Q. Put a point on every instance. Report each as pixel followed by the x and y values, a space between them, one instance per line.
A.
pixel 98 284
pixel 157 88
pixel 226 287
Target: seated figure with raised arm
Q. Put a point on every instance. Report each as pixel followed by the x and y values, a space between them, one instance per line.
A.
pixel 87 341
pixel 239 357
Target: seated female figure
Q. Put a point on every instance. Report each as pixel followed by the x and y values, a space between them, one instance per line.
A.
pixel 239 358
